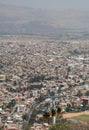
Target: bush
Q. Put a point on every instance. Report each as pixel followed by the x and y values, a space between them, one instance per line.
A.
pixel 65 125
pixel 60 126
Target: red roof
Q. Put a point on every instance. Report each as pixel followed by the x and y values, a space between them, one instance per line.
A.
pixel 12 128
pixel 2 99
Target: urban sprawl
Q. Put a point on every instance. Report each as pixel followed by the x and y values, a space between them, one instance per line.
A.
pixel 36 71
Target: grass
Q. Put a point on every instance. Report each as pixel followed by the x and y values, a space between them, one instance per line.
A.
pixel 60 126
pixel 83 117
pixel 64 125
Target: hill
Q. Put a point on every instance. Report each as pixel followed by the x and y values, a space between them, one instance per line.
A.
pixel 24 20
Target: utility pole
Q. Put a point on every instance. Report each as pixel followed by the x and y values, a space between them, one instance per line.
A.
pixel 54 116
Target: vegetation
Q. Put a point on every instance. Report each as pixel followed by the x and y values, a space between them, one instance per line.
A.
pixel 60 126
pixel 65 125
pixel 87 93
pixel 25 116
pixel 11 104
pixel 1 128
pixel 79 94
pixel 82 118
pixel 37 78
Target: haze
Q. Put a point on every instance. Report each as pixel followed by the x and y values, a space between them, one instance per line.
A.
pixel 49 4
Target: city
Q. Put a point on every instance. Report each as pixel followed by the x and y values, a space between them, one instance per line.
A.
pixel 34 71
pixel 44 65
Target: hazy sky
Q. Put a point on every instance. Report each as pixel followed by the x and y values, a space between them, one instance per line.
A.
pixel 50 4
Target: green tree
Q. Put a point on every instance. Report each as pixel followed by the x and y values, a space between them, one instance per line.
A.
pixel 87 93
pixel 79 94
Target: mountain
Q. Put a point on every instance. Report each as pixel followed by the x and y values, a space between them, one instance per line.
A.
pixel 24 20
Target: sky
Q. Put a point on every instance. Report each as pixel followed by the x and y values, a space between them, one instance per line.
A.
pixel 49 4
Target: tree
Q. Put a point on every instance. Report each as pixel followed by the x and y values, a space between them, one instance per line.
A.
pixel 79 94
pixel 25 116
pixel 87 93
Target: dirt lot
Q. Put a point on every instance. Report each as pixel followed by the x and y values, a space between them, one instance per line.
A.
pixel 69 115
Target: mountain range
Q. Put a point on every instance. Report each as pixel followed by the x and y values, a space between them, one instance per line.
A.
pixel 27 20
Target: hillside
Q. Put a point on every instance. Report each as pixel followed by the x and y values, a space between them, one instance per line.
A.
pixel 24 20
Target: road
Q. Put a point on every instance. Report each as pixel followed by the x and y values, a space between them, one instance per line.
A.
pixel 30 111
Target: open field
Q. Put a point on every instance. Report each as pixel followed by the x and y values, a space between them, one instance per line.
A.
pixel 70 115
pixel 82 118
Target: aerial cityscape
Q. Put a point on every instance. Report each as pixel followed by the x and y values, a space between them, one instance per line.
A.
pixel 44 67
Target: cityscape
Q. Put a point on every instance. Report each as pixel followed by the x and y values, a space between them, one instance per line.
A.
pixel 44 65
pixel 36 71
